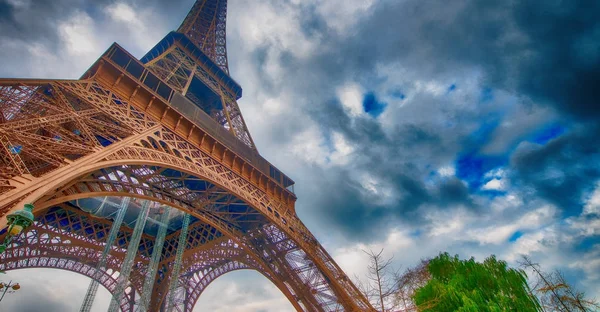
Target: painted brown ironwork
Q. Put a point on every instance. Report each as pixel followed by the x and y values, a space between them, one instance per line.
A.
pixel 205 26
pixel 128 129
pixel 177 68
pixel 53 242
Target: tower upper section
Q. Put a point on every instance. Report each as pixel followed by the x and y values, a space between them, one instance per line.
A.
pixel 187 70
pixel 193 62
pixel 205 26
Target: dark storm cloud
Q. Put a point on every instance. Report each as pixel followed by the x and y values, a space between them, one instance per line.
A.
pixel 397 161
pixel 563 171
pixel 543 52
pixel 360 216
pixel 546 50
pixel 35 21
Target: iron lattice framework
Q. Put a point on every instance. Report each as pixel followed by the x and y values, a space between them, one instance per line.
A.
pixel 165 131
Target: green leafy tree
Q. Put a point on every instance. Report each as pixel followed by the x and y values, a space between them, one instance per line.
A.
pixel 467 285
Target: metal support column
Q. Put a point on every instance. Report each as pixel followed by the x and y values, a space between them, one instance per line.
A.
pixel 132 249
pixel 154 260
pixel 90 295
pixel 177 265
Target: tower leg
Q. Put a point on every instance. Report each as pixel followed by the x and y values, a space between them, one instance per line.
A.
pixel 132 249
pixel 154 260
pixel 90 295
pixel 177 265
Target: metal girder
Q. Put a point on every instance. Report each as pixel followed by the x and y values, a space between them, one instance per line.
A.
pixel 90 295
pixel 113 135
pixel 157 251
pixel 127 265
pixel 205 26
pixel 178 69
pixel 43 246
pixel 174 282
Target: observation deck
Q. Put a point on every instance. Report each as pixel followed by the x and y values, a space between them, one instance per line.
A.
pixel 117 67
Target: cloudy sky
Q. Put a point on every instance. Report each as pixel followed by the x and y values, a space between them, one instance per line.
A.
pixel 417 126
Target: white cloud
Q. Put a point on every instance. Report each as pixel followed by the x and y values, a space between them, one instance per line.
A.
pixel 354 261
pixel 508 202
pixel 343 150
pixel 310 146
pixel 593 203
pixel 382 193
pixel 433 87
pixel 135 21
pixel 590 265
pixel 351 96
pixel 242 291
pixel 64 287
pixel 497 180
pixel 78 34
pixel 494 184
pixel 20 4
pixel 498 233
pixel 343 14
pixel 448 223
pixel 277 27
pixel 447 171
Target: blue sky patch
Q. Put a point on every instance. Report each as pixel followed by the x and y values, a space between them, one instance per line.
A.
pixel 372 106
pixel 513 238
pixel 451 88
pixel 588 243
pixel 398 94
pixel 548 133
pixel 487 95
pixel 493 193
pixel 472 167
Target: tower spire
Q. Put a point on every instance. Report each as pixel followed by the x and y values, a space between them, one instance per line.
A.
pixel 205 26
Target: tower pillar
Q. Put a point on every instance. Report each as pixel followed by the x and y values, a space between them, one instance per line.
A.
pixel 90 295
pixel 129 257
pixel 177 265
pixel 154 261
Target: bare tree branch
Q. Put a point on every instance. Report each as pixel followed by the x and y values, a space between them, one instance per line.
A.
pixel 555 293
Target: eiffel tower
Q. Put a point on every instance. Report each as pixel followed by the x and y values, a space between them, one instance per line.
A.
pixel 144 178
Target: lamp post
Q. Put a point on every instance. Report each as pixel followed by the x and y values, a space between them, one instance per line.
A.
pixel 17 222
pixel 8 287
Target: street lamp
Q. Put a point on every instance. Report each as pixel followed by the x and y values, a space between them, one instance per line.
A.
pixel 8 287
pixel 17 222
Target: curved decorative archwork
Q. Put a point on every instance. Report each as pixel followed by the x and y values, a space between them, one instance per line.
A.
pixel 210 263
pixel 45 246
pixel 58 262
pixel 252 247
pixel 111 134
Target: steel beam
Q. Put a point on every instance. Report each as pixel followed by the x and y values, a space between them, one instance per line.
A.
pixel 177 265
pixel 132 249
pixel 154 261
pixel 90 295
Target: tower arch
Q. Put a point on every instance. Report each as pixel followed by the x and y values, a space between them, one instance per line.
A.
pixel 167 129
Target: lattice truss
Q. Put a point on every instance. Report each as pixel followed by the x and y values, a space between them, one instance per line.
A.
pixel 119 150
pixel 66 238
pixel 177 68
pixel 205 26
pixel 44 127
